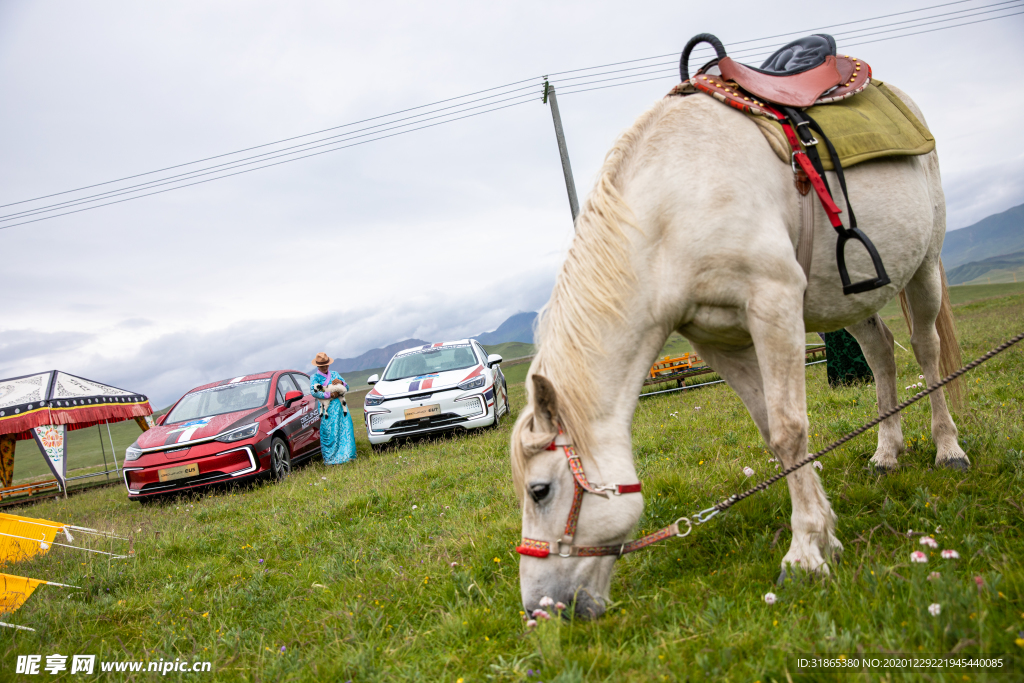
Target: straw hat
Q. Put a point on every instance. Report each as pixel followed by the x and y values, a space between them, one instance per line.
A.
pixel 322 359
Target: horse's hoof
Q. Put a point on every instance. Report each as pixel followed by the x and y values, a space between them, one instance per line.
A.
pixel 959 464
pixel 782 578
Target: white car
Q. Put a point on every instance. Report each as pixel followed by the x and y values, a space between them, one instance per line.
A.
pixel 434 388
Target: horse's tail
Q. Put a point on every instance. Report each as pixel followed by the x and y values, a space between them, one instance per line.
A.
pixel 950 358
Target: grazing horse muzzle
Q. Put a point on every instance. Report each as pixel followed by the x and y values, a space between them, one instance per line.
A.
pixel 584 590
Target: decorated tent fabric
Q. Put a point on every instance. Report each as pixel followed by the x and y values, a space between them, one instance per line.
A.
pixel 7 442
pixel 14 591
pixel 24 537
pixel 57 398
pixel 845 361
pixel 872 124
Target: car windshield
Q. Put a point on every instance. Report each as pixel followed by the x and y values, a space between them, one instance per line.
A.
pixel 430 361
pixel 226 398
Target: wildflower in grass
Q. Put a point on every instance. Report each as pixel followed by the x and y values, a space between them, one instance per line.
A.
pixel 950 554
pixel 818 465
pixel 497 560
pixel 770 598
pixel 559 606
pixel 546 602
pixel 282 648
pixel 918 556
pixel 696 407
pixel 261 560
pixel 454 564
pixel 934 575
pixel 980 581
pixel 414 507
pixel 920 376
pixel 929 541
pixel 748 472
pixel 541 614
pixel 934 609
pixel 531 623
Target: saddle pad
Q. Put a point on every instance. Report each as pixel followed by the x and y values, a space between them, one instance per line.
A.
pixel 872 124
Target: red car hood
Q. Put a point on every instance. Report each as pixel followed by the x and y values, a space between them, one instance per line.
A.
pixel 190 430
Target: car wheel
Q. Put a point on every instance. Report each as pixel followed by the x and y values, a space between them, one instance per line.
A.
pixel 280 460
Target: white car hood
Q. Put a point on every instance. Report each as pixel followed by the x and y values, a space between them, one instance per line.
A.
pixel 437 381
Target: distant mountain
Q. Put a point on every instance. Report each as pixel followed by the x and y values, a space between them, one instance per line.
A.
pixel 374 358
pixel 997 235
pixel 976 269
pixel 518 328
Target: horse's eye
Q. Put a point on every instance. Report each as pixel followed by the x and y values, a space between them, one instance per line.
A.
pixel 539 492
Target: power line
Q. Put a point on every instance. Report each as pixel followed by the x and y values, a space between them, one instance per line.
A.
pixel 208 180
pixel 335 142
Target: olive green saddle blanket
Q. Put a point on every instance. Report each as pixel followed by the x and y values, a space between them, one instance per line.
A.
pixel 871 124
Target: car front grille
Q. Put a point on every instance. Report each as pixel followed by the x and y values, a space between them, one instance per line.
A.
pixel 435 422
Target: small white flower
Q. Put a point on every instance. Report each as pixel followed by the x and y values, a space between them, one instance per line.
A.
pixel 934 575
pixel 559 606
pixel 414 507
pixel 818 465
pixel 929 541
pixel 454 564
pixel 920 384
pixel 541 614
pixel 531 623
pixel 918 556
pixel 934 609
pixel 770 598
pixel 920 376
pixel 324 478
pixel 747 471
pixel 696 407
pixel 949 554
pixel 546 602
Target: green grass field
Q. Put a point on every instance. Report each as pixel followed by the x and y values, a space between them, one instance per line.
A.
pixel 401 566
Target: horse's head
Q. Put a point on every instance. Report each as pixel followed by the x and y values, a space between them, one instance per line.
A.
pixel 545 485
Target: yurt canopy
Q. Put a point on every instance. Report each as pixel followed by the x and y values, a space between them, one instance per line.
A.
pixel 59 398
pixel 47 405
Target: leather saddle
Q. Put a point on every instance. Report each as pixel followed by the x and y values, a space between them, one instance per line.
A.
pixel 800 74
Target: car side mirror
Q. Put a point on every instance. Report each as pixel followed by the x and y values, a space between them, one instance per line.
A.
pixel 493 359
pixel 372 379
pixel 291 397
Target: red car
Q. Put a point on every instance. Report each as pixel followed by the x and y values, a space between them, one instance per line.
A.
pixel 232 430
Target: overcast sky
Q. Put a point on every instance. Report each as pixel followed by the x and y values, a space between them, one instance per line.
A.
pixel 440 233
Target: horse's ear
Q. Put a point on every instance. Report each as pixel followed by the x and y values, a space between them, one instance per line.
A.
pixel 545 400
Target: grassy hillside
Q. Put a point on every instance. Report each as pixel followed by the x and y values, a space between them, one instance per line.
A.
pixel 401 565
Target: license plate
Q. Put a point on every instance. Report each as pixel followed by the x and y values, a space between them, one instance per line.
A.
pixel 179 472
pixel 423 411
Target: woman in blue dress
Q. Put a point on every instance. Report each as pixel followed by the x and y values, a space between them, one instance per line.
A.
pixel 337 439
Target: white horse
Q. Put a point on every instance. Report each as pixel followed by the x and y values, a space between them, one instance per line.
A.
pixel 693 226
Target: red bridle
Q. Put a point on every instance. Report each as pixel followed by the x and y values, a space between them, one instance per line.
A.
pixel 564 546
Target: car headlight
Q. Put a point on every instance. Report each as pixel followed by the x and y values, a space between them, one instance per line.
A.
pixel 245 432
pixel 133 452
pixel 474 383
pixel 374 400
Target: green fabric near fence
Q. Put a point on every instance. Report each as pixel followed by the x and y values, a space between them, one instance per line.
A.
pixel 845 361
pixel 874 123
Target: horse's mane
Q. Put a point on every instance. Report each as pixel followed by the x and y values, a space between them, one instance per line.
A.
pixel 589 295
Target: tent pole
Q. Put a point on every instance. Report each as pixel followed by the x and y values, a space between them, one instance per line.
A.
pixel 104 449
pixel 113 454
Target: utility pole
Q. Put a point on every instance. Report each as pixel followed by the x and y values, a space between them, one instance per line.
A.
pixel 563 152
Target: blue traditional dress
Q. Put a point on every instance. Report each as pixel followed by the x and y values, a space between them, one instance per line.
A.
pixel 337 439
